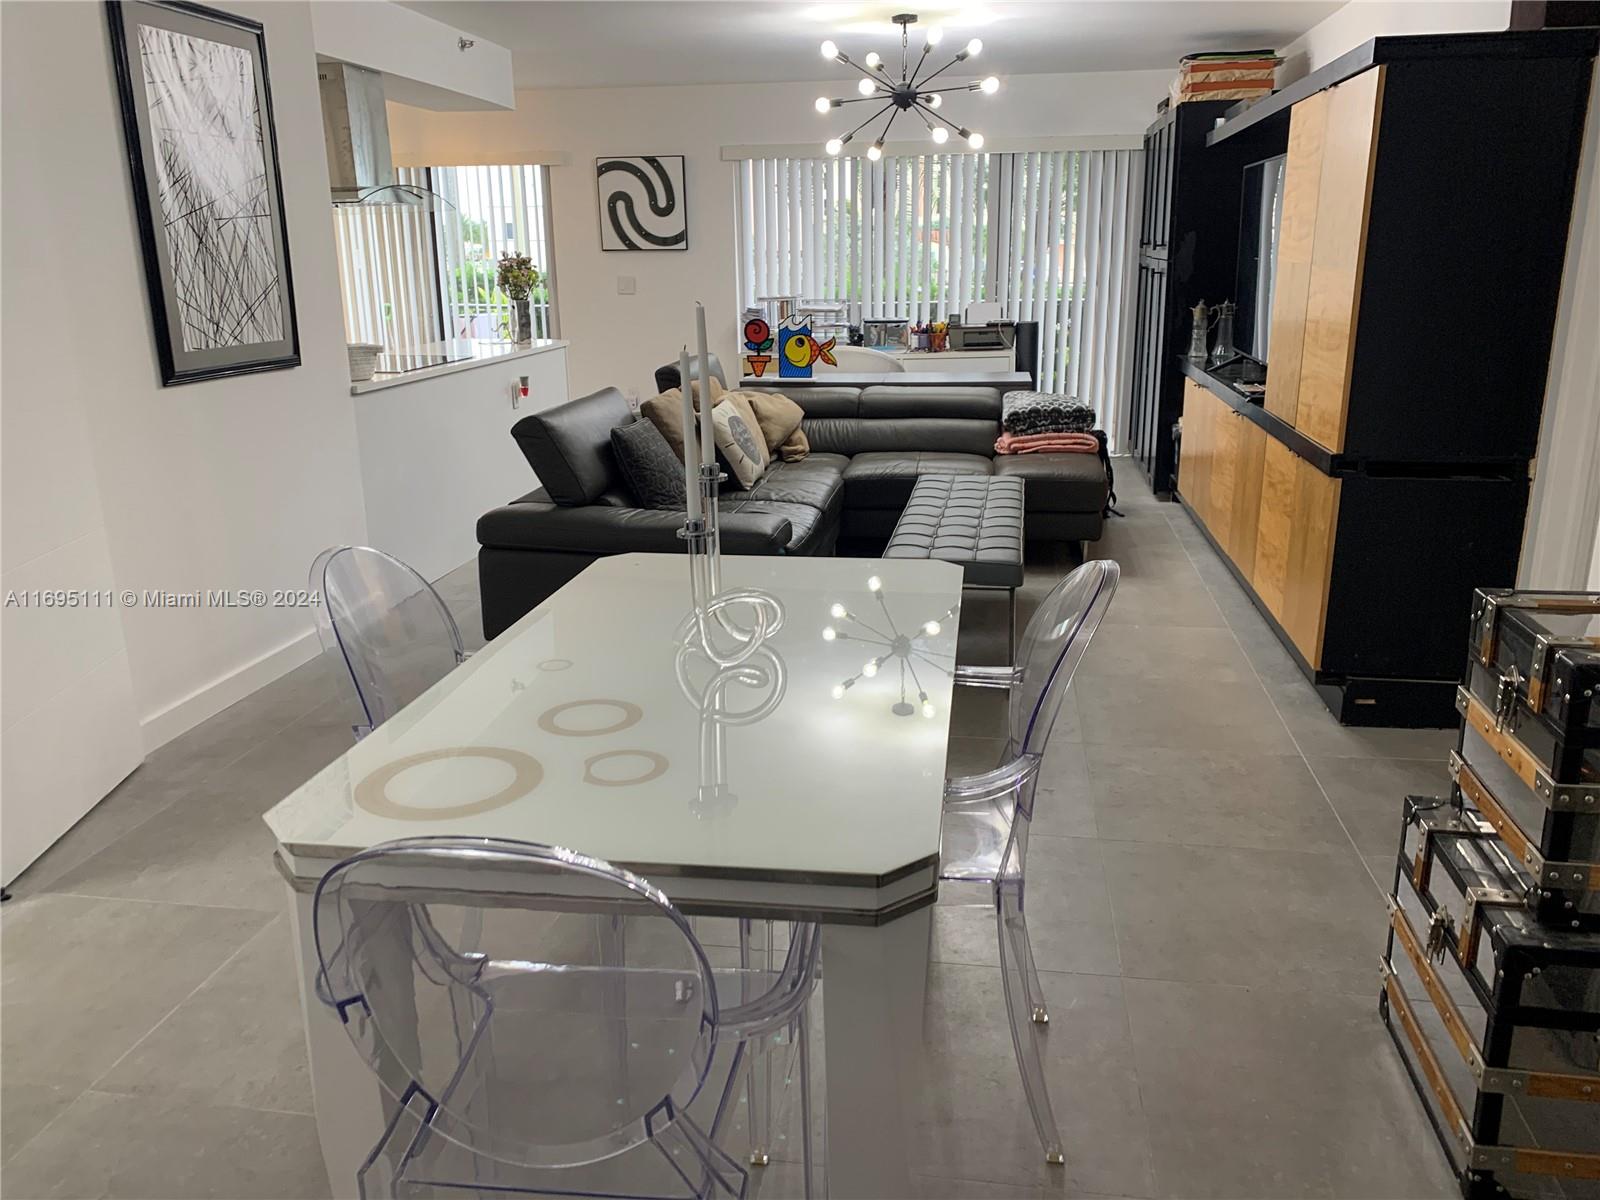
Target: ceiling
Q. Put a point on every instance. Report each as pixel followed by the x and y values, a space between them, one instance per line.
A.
pixel 610 43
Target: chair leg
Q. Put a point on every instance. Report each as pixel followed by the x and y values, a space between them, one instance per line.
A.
pixel 1016 919
pixel 758 1082
pixel 803 1042
pixel 720 1175
pixel 1015 963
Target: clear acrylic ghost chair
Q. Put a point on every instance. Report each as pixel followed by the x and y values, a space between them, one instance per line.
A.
pixel 539 1021
pixel 984 835
pixel 387 625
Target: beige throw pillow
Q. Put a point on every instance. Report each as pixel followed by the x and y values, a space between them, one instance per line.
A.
pixel 665 412
pixel 777 415
pixel 795 447
pixel 739 439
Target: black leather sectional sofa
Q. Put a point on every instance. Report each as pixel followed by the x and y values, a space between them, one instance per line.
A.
pixel 868 445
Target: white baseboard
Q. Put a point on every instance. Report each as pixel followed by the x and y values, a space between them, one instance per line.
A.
pixel 160 728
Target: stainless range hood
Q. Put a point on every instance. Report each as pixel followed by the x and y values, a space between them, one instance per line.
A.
pixel 355 126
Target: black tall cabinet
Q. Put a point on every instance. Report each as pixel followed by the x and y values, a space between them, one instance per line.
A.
pixel 1188 234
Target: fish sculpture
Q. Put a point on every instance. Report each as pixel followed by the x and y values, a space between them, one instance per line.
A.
pixel 798 351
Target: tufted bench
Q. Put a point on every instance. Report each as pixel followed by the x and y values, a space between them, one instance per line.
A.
pixel 972 520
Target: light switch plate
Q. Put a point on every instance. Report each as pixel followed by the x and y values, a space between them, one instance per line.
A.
pixel 626 285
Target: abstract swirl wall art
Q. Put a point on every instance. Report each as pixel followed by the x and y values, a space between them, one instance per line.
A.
pixel 197 115
pixel 642 202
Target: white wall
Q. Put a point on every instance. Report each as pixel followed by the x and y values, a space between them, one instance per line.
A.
pixel 1356 22
pixel 67 713
pixel 620 340
pixel 230 483
pixel 436 454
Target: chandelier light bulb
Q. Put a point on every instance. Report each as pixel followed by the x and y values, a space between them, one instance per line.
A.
pixel 866 87
pixel 838 691
pixel 974 48
pixel 935 35
pixel 875 151
pixel 989 86
pixel 833 146
pixel 975 140
pixel 823 104
pixel 873 60
pixel 829 633
pixel 874 584
pixel 870 668
pixel 927 709
pixel 830 50
pixel 837 612
pixel 932 628
pixel 941 135
pixel 935 100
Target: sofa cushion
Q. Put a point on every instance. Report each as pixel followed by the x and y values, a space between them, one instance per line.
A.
pixel 778 416
pixel 963 519
pixel 901 401
pixel 654 473
pixel 1068 483
pixel 569 446
pixel 885 480
pixel 817 401
pixel 810 532
pixel 817 481
pixel 860 435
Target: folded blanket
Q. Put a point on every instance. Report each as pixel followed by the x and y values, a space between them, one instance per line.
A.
pixel 1044 412
pixel 1047 443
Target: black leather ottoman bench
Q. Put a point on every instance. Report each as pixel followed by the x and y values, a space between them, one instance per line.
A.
pixel 972 520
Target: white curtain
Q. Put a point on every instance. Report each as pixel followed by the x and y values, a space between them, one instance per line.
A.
pixel 1050 235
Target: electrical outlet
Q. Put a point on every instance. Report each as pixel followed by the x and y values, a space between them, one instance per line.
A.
pixel 627 285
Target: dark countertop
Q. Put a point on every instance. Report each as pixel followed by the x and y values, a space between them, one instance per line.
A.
pixel 1005 380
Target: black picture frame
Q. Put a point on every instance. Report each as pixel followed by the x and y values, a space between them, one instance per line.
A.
pixel 191 335
pixel 645 168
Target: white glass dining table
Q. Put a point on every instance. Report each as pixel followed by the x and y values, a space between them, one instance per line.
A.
pixel 808 789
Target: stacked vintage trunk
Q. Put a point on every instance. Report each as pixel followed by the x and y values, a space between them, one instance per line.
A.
pixel 1491 979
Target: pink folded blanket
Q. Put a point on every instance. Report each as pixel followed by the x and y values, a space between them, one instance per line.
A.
pixel 1047 443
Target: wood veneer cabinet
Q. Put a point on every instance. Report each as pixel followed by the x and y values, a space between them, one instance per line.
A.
pixel 1359 573
pixel 1428 192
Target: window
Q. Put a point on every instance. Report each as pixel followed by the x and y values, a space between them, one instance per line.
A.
pixel 410 276
pixel 1047 234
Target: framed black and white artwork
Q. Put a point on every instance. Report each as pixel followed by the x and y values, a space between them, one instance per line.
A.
pixel 642 203
pixel 203 154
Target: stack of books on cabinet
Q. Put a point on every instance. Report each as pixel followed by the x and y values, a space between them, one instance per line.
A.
pixel 1491 976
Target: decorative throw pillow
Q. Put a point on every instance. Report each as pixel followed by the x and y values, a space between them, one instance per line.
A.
pixel 739 441
pixel 665 412
pixel 777 415
pixel 795 447
pixel 653 472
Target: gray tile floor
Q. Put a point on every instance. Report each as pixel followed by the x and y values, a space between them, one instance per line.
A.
pixel 1204 898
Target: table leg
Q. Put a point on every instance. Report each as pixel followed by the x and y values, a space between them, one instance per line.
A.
pixel 874 980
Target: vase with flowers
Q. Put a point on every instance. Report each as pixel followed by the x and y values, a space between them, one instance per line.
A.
pixel 517 277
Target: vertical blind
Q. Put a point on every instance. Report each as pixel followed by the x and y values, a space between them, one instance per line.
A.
pixel 410 276
pixel 492 211
pixel 1048 234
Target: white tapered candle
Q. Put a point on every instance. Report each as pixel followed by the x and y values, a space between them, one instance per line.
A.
pixel 691 456
pixel 708 445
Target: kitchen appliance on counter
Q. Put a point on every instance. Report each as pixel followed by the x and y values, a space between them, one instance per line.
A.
pixel 885 331
pixel 992 335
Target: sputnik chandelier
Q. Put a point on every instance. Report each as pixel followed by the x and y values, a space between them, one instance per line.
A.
pixel 910 93
pixel 890 646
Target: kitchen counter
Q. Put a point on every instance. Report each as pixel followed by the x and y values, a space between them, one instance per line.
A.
pixel 467 353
